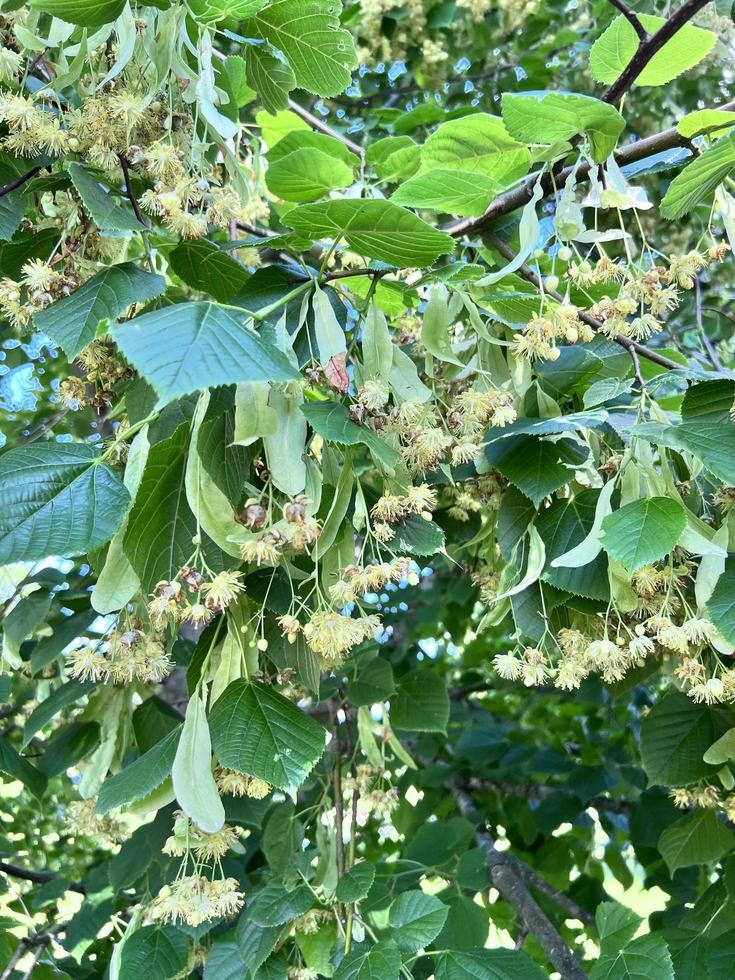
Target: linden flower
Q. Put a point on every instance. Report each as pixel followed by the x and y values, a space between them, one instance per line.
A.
pixel 464 452
pixel 710 691
pixel 389 508
pixel 684 268
pixel 233 783
pixel 641 646
pixel 213 847
pixel 374 395
pixel 86 664
pixel 570 674
pixel 263 549
pixel 290 626
pixel 38 275
pixel 10 62
pixel 699 630
pixel 332 636
pixel 508 666
pixel 194 900
pixel 681 797
pixel 222 590
pixel 420 499
pixel 383 533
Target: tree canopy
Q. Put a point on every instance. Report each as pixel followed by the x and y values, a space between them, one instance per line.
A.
pixel 367 487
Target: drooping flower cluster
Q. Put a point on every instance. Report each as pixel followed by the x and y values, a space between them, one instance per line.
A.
pixel 192 598
pixel 232 783
pixel 124 657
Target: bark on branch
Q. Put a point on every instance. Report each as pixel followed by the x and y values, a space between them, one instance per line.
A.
pixel 509 882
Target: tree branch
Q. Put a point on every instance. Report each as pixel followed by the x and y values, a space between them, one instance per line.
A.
pixel 37 877
pixel 530 276
pixel 129 188
pixel 650 46
pixel 19 181
pixel 513 199
pixel 631 16
pixel 316 123
pixel 511 886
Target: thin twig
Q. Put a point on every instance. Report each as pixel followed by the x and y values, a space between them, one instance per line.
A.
pixel 19 181
pixel 651 46
pixel 37 877
pixel 322 127
pixel 631 16
pixel 706 342
pixel 129 188
pixel 637 368
pixel 530 276
pixel 511 886
pixel 338 805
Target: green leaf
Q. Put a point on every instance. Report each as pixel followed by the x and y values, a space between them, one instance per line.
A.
pixel 704 121
pixel 206 267
pixel 190 346
pixel 479 144
pixel 331 421
pixel 87 13
pixel 275 904
pixel 551 117
pixel 646 958
pixel 300 139
pixel 416 919
pixel 108 211
pixel 675 734
pixel 536 466
pixel 643 531
pixel 613 50
pixel 255 730
pixel 373 682
pixel 697 838
pixel 721 604
pixel 273 79
pixel 562 527
pixel 16 767
pixel 12 208
pixel 421 702
pixel 354 884
pixel 375 228
pixel 616 925
pixel 141 776
pixel 58 499
pixel 156 952
pixel 73 322
pixel 191 772
pixel 320 52
pixel 454 191
pixel 161 525
pixel 383 960
pixel 699 178
pixel 486 964
pixel 62 696
pixel 306 175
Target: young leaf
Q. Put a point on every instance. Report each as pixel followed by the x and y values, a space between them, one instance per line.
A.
pixel 306 175
pixel 376 228
pixel 479 144
pixel 58 499
pixel 643 531
pixel 381 960
pixel 257 731
pixel 191 346
pixel 699 178
pixel 615 47
pixel 454 191
pixel 87 13
pixel 320 52
pixel 552 117
pixel 194 785
pixel 73 322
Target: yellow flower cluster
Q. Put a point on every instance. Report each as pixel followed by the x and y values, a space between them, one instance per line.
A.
pixel 128 656
pixel 195 899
